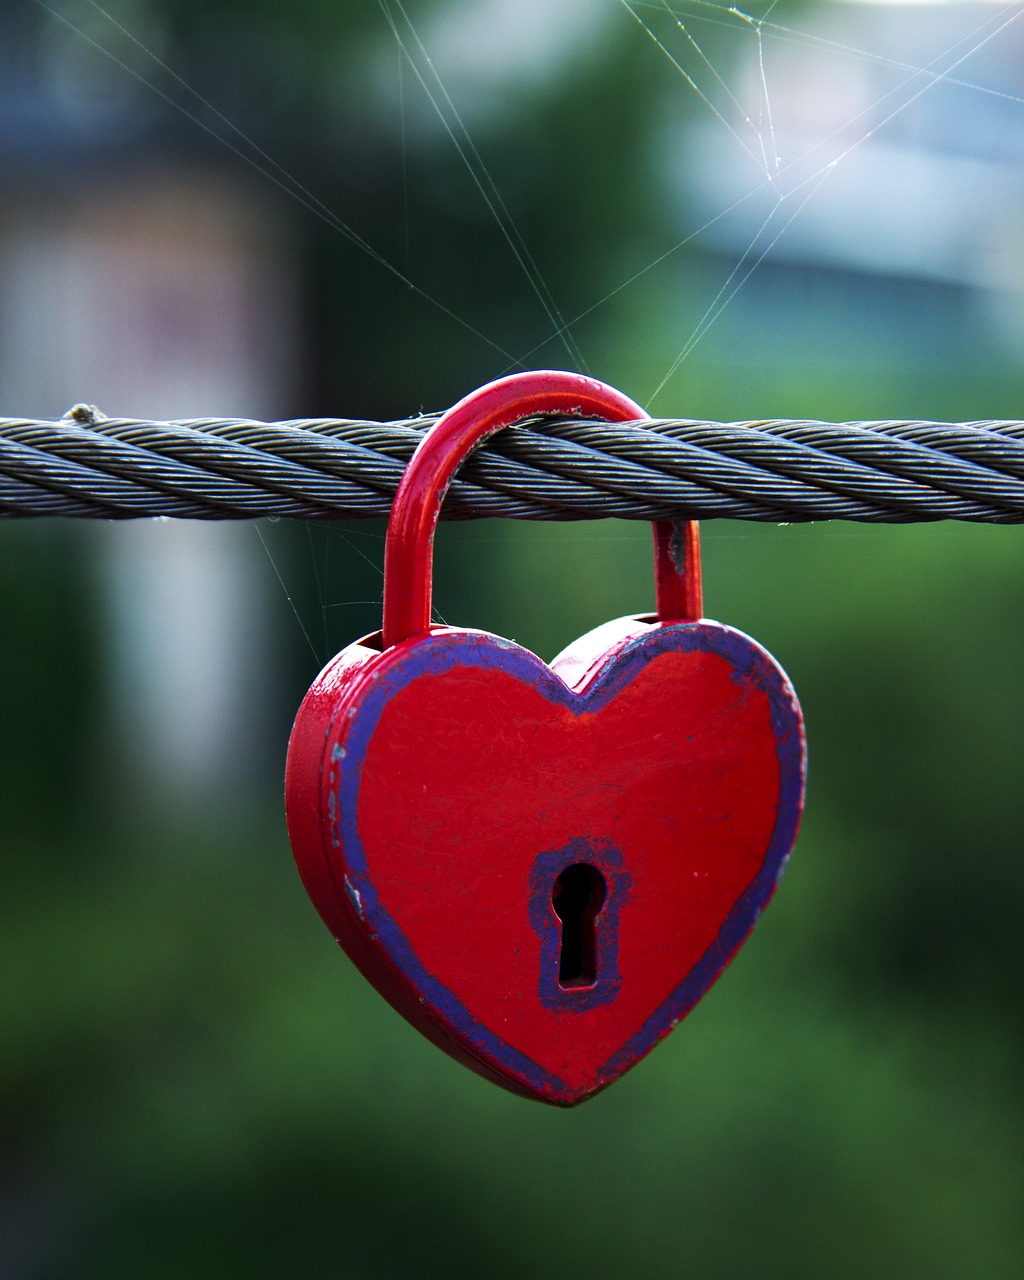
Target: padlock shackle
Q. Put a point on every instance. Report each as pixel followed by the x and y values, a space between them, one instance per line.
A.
pixel 408 553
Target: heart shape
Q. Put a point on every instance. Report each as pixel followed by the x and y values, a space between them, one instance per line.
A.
pixel 439 789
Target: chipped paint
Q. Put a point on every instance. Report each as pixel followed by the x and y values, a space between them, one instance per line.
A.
pixel 355 897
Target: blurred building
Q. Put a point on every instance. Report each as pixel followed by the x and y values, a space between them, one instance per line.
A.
pixel 881 171
pixel 159 288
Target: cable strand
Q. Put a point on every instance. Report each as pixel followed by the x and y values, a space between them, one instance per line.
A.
pixel 90 467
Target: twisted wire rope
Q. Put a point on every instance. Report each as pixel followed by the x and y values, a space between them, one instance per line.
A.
pixel 88 466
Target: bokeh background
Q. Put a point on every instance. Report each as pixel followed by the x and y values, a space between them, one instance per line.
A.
pixel 360 208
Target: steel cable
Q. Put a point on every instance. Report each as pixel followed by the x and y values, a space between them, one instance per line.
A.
pixel 88 466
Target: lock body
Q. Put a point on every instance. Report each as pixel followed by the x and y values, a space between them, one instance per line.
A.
pixel 542 867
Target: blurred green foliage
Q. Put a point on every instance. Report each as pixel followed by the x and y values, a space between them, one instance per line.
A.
pixel 197 1082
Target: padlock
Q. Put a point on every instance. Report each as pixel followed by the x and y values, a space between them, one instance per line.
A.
pixel 542 867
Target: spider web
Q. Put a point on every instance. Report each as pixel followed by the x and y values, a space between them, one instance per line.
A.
pixel 744 120
pixel 736 86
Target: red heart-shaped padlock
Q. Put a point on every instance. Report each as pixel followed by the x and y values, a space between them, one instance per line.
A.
pixel 542 867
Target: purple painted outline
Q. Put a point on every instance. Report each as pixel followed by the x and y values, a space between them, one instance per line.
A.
pixel 609 861
pixel 439 652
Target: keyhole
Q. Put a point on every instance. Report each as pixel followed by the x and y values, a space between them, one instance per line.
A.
pixel 577 897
